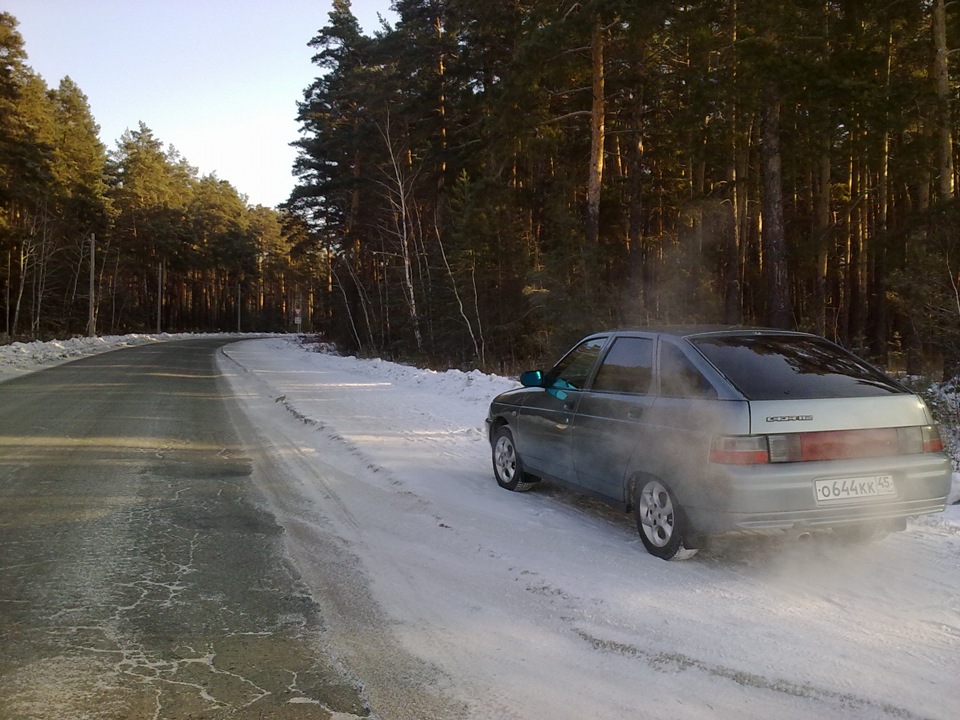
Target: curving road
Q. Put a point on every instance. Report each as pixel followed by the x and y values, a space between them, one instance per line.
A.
pixel 139 577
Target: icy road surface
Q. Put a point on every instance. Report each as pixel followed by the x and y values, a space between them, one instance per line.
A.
pixel 544 604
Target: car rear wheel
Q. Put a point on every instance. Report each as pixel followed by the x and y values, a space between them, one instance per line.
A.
pixel 507 466
pixel 661 521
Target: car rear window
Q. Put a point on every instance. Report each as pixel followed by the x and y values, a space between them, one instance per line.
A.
pixel 778 367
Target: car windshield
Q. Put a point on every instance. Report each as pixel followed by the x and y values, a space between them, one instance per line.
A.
pixel 778 367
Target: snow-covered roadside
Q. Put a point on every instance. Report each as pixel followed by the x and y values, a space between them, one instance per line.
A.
pixel 21 358
pixel 545 605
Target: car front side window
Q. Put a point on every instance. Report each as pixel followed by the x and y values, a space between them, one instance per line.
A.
pixel 572 372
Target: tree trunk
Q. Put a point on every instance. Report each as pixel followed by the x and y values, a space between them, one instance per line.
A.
pixel 774 246
pixel 403 222
pixel 855 250
pixel 26 250
pixel 441 102
pixel 159 296
pixel 7 290
pixel 733 289
pixel 732 250
pixel 822 235
pixel 878 319
pixel 597 121
pixel 941 76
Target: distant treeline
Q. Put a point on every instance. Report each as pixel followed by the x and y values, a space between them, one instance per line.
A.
pixel 482 182
pixel 172 251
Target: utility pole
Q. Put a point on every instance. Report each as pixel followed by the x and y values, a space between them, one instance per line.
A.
pixel 92 319
pixel 159 295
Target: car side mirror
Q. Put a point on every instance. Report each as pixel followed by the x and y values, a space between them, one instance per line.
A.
pixel 532 378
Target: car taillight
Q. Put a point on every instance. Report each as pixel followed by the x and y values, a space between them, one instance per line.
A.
pixel 739 450
pixel 931 439
pixel 840 444
pixel 826 445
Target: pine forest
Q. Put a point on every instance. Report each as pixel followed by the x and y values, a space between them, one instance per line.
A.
pixel 478 184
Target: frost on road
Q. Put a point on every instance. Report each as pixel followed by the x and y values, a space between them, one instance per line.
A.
pixel 139 577
pixel 544 604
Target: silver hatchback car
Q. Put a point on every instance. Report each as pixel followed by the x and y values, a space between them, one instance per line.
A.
pixel 706 431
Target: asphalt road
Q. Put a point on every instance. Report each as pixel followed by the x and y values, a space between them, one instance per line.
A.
pixel 139 576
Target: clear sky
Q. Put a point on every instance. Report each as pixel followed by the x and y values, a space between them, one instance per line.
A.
pixel 217 79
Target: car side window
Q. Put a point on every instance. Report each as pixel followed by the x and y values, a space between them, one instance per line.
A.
pixel 628 367
pixel 679 377
pixel 572 371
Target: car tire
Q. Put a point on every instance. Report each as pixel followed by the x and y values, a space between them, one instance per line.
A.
pixel 661 521
pixel 507 465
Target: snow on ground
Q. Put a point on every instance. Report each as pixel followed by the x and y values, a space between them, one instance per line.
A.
pixel 20 358
pixel 544 604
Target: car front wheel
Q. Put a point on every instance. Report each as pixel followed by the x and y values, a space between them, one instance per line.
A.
pixel 660 521
pixel 507 466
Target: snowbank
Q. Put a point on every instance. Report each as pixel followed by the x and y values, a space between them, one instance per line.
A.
pixel 20 358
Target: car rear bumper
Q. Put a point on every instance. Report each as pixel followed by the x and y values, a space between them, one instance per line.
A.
pixel 783 496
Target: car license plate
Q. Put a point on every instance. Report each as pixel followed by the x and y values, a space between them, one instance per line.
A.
pixel 860 488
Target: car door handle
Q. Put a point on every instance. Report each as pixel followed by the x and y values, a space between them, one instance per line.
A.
pixel 635 414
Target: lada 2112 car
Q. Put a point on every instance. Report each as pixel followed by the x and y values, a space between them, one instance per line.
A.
pixel 704 432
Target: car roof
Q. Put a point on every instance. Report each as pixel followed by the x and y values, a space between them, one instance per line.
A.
pixel 687 331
